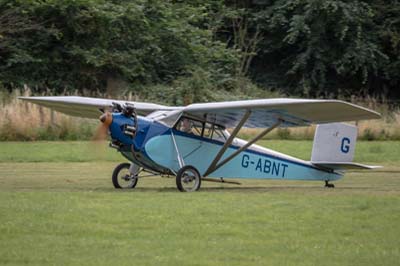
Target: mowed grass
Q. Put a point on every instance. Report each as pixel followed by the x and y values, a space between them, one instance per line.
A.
pixel 86 151
pixel 58 207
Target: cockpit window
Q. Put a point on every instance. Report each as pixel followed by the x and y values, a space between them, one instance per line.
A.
pixel 190 126
pixel 198 128
pixel 219 133
pixel 208 130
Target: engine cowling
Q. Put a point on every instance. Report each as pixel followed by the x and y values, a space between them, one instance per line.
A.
pixel 122 124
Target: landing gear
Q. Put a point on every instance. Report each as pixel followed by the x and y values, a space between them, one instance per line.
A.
pixel 188 179
pixel 125 176
pixel 329 185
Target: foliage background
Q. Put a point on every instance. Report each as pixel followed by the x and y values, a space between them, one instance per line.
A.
pixel 178 52
pixel 202 50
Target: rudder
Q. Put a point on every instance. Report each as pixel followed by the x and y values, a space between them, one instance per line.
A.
pixel 334 142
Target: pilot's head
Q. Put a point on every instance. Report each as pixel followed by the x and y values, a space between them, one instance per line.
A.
pixel 185 126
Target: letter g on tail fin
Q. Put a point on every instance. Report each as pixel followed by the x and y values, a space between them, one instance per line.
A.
pixel 345 145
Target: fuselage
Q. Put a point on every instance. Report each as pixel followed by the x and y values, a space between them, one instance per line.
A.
pixel 163 149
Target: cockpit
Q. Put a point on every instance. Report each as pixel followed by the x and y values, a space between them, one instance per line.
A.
pixel 190 125
pixel 199 128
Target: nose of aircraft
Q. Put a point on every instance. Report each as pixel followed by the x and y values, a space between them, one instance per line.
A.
pixel 122 129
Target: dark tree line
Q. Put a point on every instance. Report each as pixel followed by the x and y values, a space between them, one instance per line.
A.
pixel 326 47
pixel 102 44
pixel 317 48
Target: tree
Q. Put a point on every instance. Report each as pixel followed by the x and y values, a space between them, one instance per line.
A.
pixel 325 48
pixel 105 44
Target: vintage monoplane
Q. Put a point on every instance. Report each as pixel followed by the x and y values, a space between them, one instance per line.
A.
pixel 193 144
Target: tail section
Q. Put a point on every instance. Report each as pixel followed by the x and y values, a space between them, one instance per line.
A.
pixel 334 142
pixel 334 147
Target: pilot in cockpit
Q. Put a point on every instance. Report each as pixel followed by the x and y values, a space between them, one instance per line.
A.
pixel 186 126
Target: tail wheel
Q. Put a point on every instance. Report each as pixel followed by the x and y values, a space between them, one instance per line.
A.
pixel 122 178
pixel 188 179
pixel 329 185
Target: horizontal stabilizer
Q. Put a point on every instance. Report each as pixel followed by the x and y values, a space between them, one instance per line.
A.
pixel 344 165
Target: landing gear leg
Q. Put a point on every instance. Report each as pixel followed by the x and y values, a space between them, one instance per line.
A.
pixel 329 185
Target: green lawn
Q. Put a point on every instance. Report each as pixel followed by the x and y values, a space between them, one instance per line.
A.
pixel 58 207
pixel 81 151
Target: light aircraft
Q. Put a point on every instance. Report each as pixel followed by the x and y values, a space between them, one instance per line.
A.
pixel 192 142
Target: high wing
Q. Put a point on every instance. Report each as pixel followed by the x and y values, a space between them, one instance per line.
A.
pixel 89 107
pixel 263 112
pixel 293 112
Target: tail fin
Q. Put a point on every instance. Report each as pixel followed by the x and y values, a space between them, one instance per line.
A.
pixel 334 146
pixel 334 142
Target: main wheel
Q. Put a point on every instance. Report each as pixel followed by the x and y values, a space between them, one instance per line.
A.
pixel 122 178
pixel 188 179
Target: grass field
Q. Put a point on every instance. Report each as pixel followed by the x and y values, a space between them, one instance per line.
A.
pixel 58 207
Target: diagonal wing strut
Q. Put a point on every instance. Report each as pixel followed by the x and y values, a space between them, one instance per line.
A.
pixel 216 164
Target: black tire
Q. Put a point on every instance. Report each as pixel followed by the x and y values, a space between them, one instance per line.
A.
pixel 188 174
pixel 329 185
pixel 119 176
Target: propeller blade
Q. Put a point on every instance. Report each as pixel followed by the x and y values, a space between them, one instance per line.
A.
pixel 101 132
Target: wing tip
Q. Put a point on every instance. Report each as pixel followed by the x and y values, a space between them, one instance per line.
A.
pixel 28 99
pixel 371 114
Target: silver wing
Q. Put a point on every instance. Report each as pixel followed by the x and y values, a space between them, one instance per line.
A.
pixel 89 107
pixel 263 112
pixel 294 112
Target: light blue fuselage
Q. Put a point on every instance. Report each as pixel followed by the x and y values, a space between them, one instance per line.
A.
pixel 153 147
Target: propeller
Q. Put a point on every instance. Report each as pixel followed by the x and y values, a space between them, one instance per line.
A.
pixel 99 150
pixel 102 129
pixel 96 147
pixel 106 119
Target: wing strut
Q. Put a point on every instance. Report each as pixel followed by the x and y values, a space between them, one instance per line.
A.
pixel 215 164
pixel 179 157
